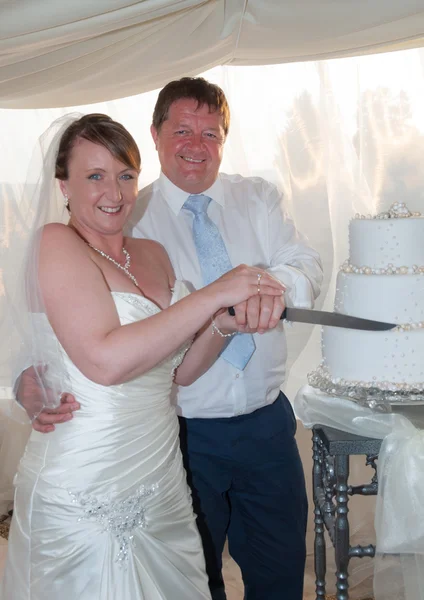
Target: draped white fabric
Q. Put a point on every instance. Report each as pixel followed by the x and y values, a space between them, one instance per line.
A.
pixel 338 136
pixel 399 512
pixel 63 53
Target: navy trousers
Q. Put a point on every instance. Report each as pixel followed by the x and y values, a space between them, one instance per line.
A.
pixel 248 484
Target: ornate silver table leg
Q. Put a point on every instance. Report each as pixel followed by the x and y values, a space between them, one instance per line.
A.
pixel 341 532
pixel 320 558
pixel 331 451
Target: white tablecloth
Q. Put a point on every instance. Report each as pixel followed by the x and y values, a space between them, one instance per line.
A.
pixel 399 518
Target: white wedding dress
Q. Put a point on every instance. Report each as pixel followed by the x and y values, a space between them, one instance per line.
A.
pixel 102 508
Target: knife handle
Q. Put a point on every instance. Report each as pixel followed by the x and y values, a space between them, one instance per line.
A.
pixel 233 312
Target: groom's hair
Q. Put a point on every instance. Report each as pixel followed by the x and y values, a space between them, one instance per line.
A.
pixel 192 88
pixel 102 130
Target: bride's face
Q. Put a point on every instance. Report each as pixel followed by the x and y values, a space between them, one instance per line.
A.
pixel 101 189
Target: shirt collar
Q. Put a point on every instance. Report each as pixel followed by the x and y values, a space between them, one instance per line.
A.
pixel 175 196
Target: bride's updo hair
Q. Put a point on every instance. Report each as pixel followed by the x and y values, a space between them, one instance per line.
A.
pixel 99 129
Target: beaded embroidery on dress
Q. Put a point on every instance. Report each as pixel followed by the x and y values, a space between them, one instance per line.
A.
pixel 102 508
pixel 121 518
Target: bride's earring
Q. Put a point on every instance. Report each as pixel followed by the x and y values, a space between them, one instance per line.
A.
pixel 66 199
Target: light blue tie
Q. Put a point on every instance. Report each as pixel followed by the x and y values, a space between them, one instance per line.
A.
pixel 214 262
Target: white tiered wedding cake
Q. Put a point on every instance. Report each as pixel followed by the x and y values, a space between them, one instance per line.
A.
pixel 382 280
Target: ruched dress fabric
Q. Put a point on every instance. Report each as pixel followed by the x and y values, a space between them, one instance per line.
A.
pixel 102 507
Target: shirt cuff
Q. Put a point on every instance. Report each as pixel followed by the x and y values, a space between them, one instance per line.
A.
pixel 299 292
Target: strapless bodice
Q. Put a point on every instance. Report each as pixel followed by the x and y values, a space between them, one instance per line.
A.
pixel 148 391
pixel 131 424
pixel 102 506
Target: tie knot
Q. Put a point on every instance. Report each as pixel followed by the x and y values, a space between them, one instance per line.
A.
pixel 197 203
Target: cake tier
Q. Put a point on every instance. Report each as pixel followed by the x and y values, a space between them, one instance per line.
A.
pixel 378 358
pixel 388 360
pixel 394 299
pixel 377 243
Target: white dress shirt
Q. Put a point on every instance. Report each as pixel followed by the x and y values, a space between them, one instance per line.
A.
pixel 248 213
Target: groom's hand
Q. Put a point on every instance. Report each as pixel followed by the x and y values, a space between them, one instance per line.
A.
pixel 259 313
pixel 30 396
pixel 49 417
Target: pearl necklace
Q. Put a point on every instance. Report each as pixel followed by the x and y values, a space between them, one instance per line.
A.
pixel 124 268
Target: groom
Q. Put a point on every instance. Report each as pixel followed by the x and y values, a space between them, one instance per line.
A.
pixel 237 428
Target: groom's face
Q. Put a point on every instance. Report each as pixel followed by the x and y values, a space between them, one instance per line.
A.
pixel 190 145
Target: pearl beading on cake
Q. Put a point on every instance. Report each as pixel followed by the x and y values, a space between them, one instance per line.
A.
pixel 408 326
pixel 348 267
pixel 322 379
pixel 398 210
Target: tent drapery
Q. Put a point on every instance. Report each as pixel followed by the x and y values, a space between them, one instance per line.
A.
pixel 338 137
pixel 67 53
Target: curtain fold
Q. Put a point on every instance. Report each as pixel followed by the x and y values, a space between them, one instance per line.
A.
pixel 60 54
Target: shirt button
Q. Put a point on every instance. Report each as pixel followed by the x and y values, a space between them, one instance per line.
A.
pixel 238 375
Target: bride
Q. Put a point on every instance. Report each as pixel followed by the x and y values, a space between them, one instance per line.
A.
pixel 102 508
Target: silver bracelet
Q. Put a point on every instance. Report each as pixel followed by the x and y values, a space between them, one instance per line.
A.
pixel 216 329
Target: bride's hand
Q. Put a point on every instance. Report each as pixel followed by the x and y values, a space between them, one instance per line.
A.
pixel 258 314
pixel 255 286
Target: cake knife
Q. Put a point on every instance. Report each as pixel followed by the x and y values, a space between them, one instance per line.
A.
pixel 330 319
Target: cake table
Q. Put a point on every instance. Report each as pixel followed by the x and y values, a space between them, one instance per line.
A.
pixel 342 427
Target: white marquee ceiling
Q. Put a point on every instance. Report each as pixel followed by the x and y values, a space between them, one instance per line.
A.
pixel 62 53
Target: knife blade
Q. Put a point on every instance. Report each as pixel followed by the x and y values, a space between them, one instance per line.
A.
pixel 330 319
